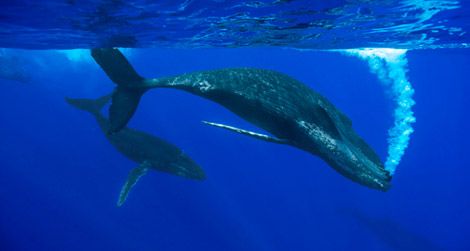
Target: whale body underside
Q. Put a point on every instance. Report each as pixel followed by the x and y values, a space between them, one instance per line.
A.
pixel 290 111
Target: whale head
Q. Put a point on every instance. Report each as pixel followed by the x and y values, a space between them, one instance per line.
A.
pixel 344 150
pixel 351 161
pixel 184 166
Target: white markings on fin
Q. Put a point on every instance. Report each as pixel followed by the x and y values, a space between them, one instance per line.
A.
pixel 132 179
pixel 249 133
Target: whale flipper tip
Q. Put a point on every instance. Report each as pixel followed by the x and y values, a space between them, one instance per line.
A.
pixel 132 179
pixel 246 132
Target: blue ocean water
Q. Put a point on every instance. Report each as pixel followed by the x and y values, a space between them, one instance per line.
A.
pixel 60 177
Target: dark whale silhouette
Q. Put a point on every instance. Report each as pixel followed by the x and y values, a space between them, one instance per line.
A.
pixel 289 110
pixel 392 233
pixel 147 150
pixel 13 67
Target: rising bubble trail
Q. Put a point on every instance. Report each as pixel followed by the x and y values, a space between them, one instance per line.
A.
pixel 390 66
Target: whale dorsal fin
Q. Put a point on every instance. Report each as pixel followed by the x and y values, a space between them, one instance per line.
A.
pixel 132 179
pixel 246 132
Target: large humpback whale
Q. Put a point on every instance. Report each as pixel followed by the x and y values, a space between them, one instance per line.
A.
pixel 290 111
pixel 147 150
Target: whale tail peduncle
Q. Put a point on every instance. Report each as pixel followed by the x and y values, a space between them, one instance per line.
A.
pixel 129 90
pixel 92 106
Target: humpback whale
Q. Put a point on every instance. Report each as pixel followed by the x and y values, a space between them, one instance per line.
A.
pixel 290 111
pixel 391 232
pixel 147 150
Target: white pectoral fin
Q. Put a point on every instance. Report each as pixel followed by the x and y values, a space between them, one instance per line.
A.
pixel 132 179
pixel 245 132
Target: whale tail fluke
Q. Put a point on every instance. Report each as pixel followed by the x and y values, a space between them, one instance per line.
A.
pixel 123 106
pixel 92 106
pixel 129 89
pixel 116 66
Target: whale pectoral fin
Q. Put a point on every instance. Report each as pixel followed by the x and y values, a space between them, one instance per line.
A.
pixel 249 133
pixel 132 179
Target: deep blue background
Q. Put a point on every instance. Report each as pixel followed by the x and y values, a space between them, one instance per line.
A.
pixel 59 177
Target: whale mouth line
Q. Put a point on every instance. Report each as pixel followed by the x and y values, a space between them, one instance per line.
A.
pixel 356 163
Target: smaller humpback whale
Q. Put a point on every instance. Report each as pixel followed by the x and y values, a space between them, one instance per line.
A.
pixel 392 233
pixel 290 111
pixel 147 150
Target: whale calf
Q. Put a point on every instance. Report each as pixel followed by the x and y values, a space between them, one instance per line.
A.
pixel 290 111
pixel 149 151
